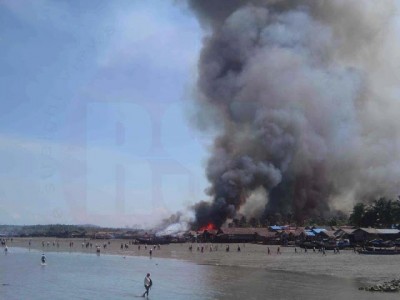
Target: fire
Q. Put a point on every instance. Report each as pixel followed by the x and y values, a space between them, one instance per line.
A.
pixel 209 226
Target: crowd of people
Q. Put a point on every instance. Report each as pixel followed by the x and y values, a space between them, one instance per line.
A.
pixel 214 247
pixel 151 249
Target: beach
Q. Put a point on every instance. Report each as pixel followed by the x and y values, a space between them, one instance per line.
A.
pixel 73 272
pixel 366 269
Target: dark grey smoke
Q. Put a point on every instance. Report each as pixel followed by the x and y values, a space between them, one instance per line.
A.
pixel 302 95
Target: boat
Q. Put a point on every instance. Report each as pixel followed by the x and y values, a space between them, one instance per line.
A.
pixel 380 251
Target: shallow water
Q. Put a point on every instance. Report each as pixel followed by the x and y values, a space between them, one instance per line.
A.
pixel 87 276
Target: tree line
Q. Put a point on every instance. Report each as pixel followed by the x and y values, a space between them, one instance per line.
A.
pixel 381 213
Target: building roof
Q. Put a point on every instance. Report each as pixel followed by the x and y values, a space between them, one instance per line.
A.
pixel 345 230
pixel 211 231
pixel 309 232
pixel 347 227
pixel 276 227
pixel 380 231
pixel 388 231
pixel 244 231
pixel 321 227
pixel 368 230
pixel 318 230
pixel 328 233
pixel 295 232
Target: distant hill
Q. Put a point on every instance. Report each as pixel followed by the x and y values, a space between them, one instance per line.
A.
pixel 51 230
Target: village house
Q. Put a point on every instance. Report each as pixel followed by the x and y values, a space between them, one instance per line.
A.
pixel 290 235
pixel 345 233
pixel 103 235
pixel 307 235
pixel 206 236
pixel 244 235
pixel 326 235
pixel 362 235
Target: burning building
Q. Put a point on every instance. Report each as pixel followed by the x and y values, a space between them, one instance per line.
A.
pixel 303 98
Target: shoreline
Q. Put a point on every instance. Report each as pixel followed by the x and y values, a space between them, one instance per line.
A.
pixel 347 265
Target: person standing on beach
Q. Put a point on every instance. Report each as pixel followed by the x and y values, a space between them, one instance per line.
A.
pixel 147 284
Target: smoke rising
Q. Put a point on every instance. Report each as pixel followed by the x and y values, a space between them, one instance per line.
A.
pixel 303 96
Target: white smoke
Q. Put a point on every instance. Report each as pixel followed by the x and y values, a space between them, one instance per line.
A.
pixel 177 229
pixel 255 203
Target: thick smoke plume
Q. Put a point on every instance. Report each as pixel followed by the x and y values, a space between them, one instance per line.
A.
pixel 304 97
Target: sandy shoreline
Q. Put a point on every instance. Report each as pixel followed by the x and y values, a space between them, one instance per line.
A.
pixel 347 264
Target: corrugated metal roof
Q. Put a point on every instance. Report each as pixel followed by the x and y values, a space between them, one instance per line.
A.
pixel 369 230
pixel 318 230
pixel 309 233
pixel 244 231
pixel 387 231
pixel 275 227
pixel 347 230
pixel 380 231
pixel 328 233
pixel 292 230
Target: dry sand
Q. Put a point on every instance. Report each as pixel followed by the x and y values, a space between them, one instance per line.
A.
pixel 347 264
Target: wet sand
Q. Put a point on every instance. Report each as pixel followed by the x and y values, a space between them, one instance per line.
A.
pixel 366 269
pixel 88 276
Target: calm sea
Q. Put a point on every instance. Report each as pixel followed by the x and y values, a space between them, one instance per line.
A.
pixel 87 276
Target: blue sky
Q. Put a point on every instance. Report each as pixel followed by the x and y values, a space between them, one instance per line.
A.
pixel 94 124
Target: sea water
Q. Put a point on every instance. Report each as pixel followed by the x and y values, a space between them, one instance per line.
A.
pixel 88 276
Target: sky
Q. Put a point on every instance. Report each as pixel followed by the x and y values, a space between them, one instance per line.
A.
pixel 95 112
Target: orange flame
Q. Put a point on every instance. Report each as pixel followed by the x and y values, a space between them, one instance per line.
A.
pixel 209 226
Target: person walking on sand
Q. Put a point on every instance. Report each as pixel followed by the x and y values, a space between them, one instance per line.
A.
pixel 147 285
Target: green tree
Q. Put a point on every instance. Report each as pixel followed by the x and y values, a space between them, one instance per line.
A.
pixel 357 215
pixel 381 213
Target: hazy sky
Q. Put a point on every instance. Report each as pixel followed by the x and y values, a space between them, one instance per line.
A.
pixel 94 102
